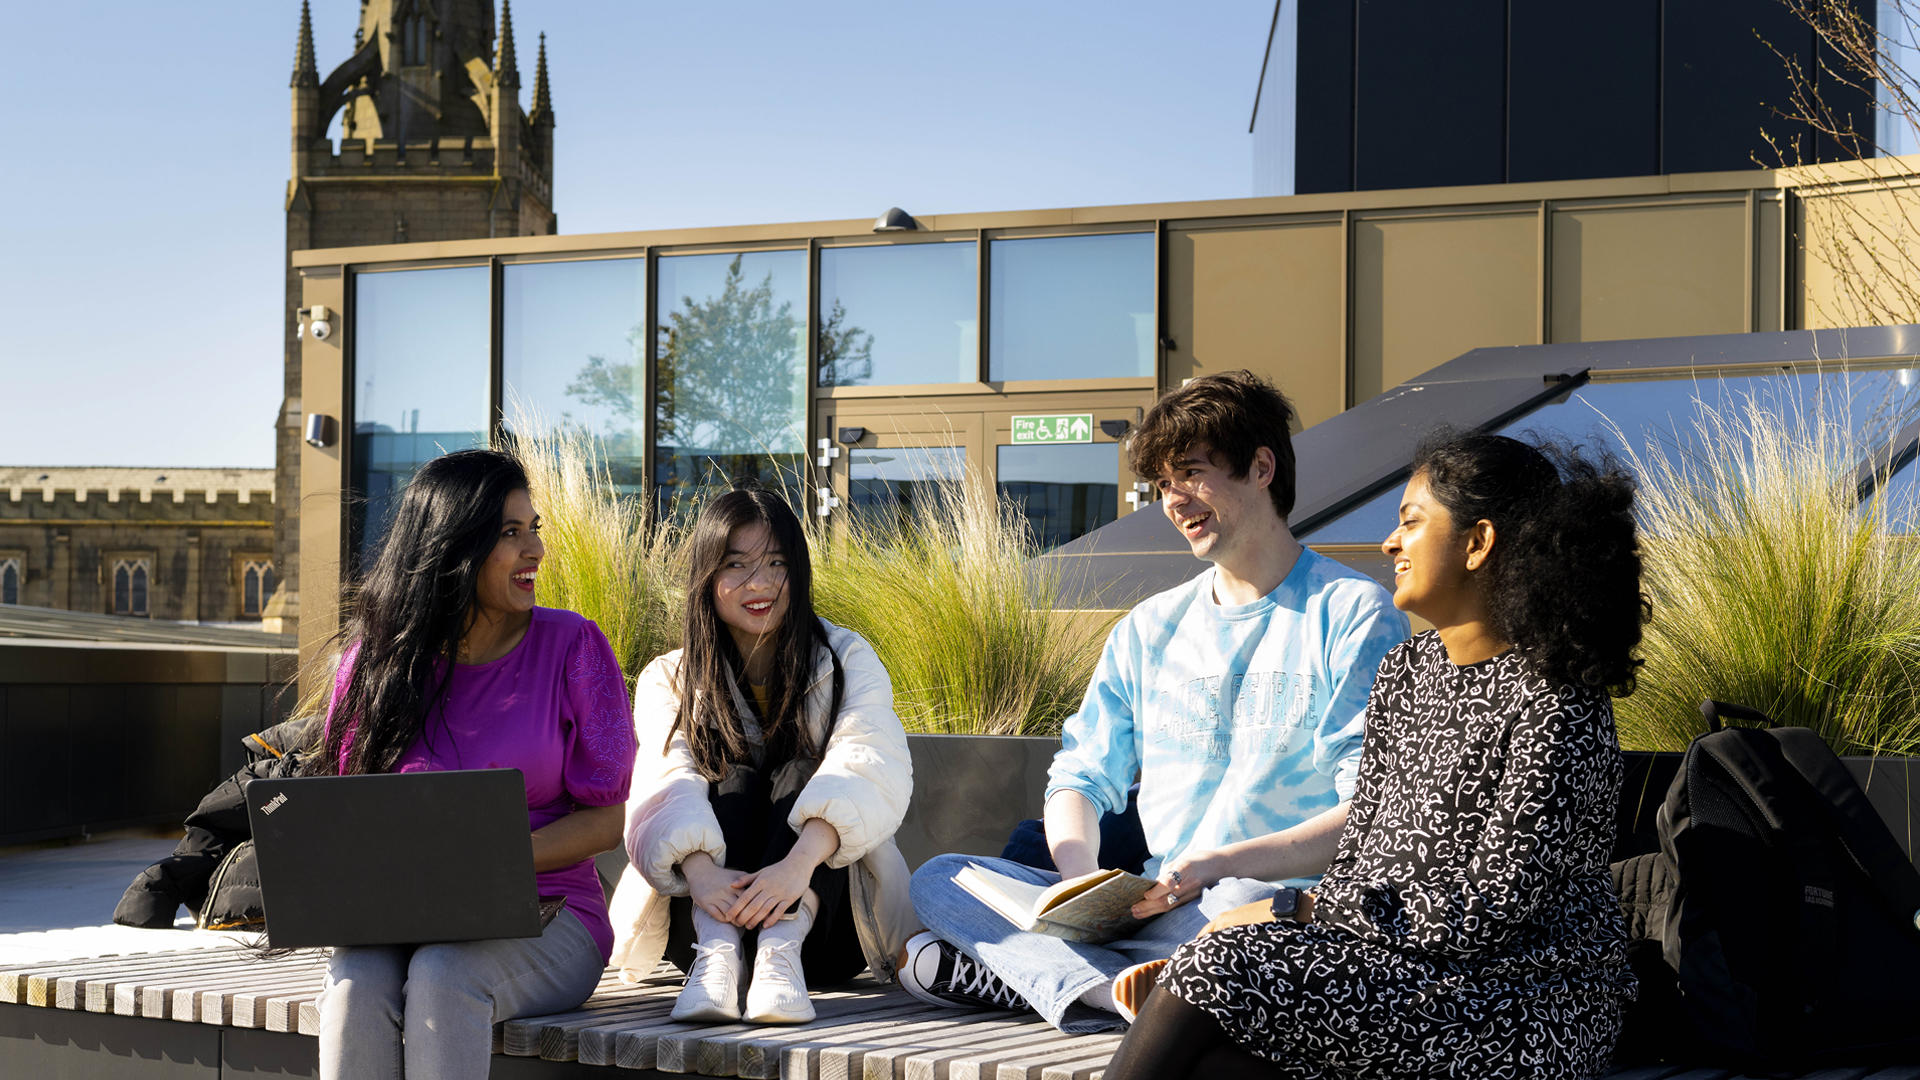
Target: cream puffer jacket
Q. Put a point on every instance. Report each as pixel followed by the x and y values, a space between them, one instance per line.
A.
pixel 860 788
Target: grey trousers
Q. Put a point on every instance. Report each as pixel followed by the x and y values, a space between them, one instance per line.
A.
pixel 427 1012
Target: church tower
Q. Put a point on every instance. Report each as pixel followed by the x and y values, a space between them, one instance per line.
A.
pixel 433 146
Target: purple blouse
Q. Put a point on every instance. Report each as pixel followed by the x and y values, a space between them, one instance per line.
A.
pixel 557 709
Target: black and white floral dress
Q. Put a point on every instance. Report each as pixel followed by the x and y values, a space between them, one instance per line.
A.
pixel 1467 926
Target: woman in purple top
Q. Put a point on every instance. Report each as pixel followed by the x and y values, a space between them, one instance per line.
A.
pixel 451 666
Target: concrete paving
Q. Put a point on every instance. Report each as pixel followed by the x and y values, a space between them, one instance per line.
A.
pixel 56 902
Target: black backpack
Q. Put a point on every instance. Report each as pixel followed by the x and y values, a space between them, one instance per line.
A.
pixel 1793 927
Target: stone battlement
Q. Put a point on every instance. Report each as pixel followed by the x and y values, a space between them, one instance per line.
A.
pixel 72 486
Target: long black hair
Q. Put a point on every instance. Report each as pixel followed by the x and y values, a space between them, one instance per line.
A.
pixel 412 608
pixel 1563 581
pixel 710 662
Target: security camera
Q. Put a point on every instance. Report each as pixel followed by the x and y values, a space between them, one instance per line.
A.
pixel 320 328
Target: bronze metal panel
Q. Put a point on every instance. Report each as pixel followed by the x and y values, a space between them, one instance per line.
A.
pixel 1428 289
pixel 1266 299
pixel 1649 271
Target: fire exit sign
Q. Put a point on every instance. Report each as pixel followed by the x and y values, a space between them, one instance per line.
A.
pixel 1053 428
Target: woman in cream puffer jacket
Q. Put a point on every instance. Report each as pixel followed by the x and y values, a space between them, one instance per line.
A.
pixel 860 788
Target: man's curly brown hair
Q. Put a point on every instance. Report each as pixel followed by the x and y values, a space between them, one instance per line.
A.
pixel 1235 413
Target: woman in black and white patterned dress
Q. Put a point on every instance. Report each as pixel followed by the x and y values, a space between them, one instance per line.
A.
pixel 1467 926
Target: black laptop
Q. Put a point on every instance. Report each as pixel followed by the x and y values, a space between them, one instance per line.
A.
pixel 394 859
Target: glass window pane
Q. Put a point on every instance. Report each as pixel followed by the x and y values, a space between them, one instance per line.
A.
pixel 121 581
pixel 732 374
pixel 573 354
pixel 250 601
pixel 899 313
pixel 884 484
pixel 1066 491
pixel 10 583
pixel 1071 307
pixel 421 380
pixel 139 606
pixel 1660 412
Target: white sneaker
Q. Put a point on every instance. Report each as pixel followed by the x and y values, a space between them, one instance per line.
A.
pixel 712 993
pixel 778 993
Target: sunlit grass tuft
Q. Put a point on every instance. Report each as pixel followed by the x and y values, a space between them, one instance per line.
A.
pixel 1770 587
pixel 962 617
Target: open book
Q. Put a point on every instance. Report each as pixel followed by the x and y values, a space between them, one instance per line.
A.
pixel 1092 908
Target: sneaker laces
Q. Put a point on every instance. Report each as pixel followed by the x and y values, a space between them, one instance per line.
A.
pixel 784 955
pixel 710 962
pixel 978 981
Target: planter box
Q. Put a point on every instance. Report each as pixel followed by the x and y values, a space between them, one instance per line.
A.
pixel 970 790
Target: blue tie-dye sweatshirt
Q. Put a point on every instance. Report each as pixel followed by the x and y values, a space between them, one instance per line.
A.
pixel 1238 721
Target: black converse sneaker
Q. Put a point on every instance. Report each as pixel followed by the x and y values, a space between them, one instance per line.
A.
pixel 940 974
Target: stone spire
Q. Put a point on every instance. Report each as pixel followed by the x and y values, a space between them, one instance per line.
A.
pixel 542 96
pixel 506 67
pixel 306 72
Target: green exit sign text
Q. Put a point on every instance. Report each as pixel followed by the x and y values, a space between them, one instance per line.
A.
pixel 1053 428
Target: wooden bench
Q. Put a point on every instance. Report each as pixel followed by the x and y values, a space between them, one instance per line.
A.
pixel 867 1030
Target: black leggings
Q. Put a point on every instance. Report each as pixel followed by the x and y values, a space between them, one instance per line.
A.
pixel 1171 1038
pixel 758 836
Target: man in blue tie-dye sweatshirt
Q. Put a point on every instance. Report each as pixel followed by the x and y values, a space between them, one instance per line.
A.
pixel 1235 699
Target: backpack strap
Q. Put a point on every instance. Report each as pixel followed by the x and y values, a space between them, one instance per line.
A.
pixel 1853 818
pixel 1742 754
pixel 1711 711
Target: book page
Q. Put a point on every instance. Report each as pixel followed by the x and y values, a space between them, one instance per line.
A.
pixel 1103 906
pixel 1015 901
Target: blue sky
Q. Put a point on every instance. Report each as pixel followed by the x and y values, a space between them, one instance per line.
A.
pixel 147 154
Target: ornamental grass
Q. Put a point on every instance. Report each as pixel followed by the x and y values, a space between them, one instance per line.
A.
pixel 1773 584
pixel 945 589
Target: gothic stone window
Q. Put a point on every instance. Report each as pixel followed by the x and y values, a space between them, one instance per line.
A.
pixel 131 579
pixel 257 583
pixel 11 578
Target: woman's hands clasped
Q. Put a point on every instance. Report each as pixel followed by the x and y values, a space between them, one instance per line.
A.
pixel 712 887
pixel 765 895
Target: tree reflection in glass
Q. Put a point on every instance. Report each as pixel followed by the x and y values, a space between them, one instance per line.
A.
pixel 730 376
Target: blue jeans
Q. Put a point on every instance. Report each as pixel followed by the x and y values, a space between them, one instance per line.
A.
pixel 1052 973
pixel 427 1012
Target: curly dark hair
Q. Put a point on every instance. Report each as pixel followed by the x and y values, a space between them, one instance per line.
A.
pixel 1235 413
pixel 1563 581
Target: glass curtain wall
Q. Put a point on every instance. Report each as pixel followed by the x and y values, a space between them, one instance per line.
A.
pixel 899 314
pixel 1066 491
pixel 731 375
pixel 573 357
pixel 421 381
pixel 1071 307
pixel 1638 415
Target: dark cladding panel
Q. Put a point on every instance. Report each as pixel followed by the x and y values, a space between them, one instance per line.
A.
pixel 1432 93
pixel 1584 90
pixel 1723 81
pixel 1323 131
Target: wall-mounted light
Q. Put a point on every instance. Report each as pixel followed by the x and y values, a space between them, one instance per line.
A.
pixel 320 430
pixel 851 435
pixel 895 220
pixel 1115 429
pixel 314 320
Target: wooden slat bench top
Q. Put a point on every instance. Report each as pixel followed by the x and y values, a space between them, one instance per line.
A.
pixel 867 1031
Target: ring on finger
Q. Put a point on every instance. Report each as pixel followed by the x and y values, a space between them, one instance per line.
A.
pixel 1172 899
